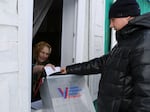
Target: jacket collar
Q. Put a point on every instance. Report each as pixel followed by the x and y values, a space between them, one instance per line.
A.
pixel 135 24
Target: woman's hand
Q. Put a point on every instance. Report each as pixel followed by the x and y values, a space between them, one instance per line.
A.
pixel 38 69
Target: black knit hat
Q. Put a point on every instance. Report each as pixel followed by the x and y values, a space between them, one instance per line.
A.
pixel 124 8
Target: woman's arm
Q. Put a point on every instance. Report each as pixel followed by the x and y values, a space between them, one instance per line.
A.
pixel 38 69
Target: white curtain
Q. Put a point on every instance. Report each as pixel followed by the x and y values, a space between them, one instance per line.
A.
pixel 41 8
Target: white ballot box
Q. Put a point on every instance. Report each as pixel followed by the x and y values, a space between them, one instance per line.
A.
pixel 66 93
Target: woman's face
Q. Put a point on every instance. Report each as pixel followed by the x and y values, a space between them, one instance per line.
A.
pixel 43 54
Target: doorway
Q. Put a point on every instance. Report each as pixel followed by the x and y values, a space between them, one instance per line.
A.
pixel 51 22
pixel 47 27
pixel 50 29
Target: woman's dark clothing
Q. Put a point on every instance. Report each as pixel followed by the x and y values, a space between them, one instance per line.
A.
pixel 125 80
pixel 36 83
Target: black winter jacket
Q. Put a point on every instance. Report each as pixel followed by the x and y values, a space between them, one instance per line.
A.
pixel 125 80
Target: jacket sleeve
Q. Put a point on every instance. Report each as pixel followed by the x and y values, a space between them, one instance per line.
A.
pixel 140 71
pixel 91 67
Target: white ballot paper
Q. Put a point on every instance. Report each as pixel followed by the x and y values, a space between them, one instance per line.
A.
pixel 50 71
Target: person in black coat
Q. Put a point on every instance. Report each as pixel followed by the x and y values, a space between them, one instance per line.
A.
pixel 125 82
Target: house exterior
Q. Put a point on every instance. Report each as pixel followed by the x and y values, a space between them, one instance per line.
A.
pixel 88 37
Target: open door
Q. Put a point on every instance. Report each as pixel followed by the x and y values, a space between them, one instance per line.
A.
pixel 47 26
pixel 15 55
pixel 69 32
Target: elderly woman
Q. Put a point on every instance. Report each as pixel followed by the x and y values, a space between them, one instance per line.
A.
pixel 41 53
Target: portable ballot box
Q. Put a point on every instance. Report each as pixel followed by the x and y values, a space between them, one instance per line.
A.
pixel 66 93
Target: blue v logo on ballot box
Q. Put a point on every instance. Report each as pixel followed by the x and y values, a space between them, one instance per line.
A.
pixel 70 92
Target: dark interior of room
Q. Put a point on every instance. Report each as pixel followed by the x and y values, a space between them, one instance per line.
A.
pixel 50 31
